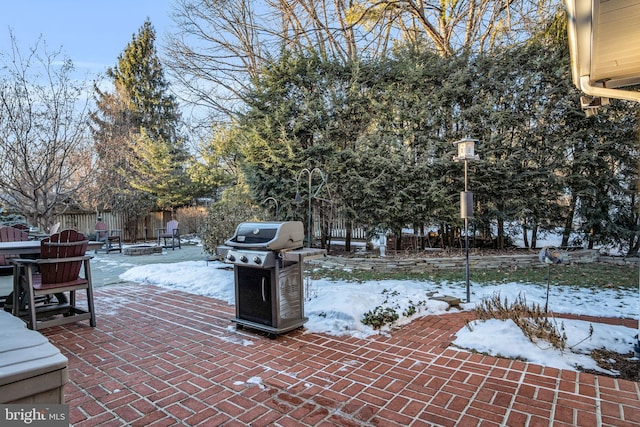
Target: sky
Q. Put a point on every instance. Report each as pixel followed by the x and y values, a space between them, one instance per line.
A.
pixel 337 307
pixel 92 33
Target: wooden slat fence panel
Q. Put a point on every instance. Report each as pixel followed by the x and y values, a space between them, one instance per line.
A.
pixel 145 228
pixel 190 221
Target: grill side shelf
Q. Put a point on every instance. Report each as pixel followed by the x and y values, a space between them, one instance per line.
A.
pixel 299 255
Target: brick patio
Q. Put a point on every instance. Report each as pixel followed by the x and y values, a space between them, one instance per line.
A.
pixel 160 358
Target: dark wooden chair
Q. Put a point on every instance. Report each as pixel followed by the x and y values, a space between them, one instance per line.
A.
pixel 170 233
pixel 112 239
pixel 62 258
pixel 10 234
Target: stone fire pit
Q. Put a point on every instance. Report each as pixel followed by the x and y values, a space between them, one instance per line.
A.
pixel 142 250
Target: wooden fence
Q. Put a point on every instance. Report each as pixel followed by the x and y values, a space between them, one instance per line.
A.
pixel 144 229
pixel 190 220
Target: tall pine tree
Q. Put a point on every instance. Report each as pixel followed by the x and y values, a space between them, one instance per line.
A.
pixel 135 128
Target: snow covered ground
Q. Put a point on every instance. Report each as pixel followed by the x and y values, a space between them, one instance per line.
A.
pixel 337 307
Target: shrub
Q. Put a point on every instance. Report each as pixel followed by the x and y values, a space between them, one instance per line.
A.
pixel 222 219
pixel 191 219
pixel 387 312
pixel 532 320
pixel 380 316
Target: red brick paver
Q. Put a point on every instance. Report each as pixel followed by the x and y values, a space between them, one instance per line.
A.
pixel 164 358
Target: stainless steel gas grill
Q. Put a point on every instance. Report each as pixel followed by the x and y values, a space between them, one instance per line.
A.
pixel 267 263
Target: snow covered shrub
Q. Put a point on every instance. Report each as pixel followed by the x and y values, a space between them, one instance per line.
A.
pixel 532 320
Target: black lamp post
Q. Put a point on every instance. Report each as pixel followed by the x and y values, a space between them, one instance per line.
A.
pixel 298 198
pixel 465 153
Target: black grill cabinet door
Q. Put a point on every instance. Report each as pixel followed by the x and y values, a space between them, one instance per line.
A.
pixel 253 295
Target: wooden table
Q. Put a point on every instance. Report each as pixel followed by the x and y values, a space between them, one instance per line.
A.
pixel 28 247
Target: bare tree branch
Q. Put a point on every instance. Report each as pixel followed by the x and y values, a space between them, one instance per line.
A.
pixel 43 134
pixel 222 45
pixel 456 25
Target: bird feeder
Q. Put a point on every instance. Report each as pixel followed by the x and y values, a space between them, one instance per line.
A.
pixel 466 150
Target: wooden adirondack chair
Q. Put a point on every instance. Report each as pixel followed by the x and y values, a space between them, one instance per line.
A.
pixel 172 233
pixel 10 234
pixel 62 257
pixel 111 238
pixel 54 228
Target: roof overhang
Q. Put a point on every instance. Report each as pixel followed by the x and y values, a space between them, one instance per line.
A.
pixel 604 44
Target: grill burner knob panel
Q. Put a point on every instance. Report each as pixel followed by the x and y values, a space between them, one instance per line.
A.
pixel 251 258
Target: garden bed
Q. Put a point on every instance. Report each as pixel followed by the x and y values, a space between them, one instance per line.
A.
pixel 431 261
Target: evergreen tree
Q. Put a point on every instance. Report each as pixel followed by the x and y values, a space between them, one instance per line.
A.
pixel 283 129
pixel 309 112
pixel 516 111
pixel 218 162
pixel 140 151
pixel 601 178
pixel 383 133
pixel 157 170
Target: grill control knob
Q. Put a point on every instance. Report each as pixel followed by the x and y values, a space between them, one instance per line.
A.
pixel 230 257
pixel 244 258
pixel 257 260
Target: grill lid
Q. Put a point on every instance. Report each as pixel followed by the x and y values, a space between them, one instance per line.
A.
pixel 272 236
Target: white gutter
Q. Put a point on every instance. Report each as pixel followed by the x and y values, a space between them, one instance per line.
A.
pixel 603 92
pixel 581 16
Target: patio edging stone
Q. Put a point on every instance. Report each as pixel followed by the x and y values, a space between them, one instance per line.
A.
pixel 426 264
